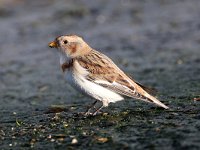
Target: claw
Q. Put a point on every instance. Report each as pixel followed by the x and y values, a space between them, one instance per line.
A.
pixel 97 111
pixel 88 110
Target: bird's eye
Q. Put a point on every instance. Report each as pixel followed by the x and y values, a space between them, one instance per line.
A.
pixel 65 41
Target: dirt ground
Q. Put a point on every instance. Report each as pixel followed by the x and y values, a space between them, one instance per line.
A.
pixel 157 42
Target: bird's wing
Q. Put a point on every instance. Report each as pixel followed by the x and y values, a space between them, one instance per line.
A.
pixel 102 71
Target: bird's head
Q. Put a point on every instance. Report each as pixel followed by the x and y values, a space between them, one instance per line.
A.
pixel 71 45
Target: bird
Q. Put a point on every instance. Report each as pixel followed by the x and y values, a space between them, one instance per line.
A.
pixel 96 75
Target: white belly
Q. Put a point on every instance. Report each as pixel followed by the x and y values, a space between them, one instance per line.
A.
pixel 76 78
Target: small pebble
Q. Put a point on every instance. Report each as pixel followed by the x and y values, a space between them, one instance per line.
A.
pixel 74 141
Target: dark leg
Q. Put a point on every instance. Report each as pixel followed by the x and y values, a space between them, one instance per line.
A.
pixel 92 106
pixel 97 110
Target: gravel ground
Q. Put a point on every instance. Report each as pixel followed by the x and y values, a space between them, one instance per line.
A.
pixel 157 42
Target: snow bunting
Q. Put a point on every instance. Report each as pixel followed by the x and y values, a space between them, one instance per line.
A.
pixel 96 75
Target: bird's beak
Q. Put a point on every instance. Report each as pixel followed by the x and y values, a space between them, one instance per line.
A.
pixel 53 44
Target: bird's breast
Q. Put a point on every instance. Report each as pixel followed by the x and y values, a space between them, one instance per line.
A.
pixel 75 75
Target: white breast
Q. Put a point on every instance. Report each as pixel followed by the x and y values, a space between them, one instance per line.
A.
pixel 76 77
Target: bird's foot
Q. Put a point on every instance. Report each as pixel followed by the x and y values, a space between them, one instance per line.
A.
pixel 88 112
pixel 97 111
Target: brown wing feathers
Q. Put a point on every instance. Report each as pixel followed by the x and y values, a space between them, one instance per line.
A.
pixel 95 64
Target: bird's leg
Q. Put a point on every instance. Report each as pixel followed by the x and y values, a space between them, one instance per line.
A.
pixel 92 106
pixel 95 113
pixel 105 104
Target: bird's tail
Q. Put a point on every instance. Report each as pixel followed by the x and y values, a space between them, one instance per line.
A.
pixel 142 94
pixel 154 100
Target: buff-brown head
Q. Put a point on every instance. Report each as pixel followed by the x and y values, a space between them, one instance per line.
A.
pixel 72 45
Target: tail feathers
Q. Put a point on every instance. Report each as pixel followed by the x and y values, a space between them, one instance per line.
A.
pixel 143 93
pixel 149 90
pixel 149 98
pixel 154 100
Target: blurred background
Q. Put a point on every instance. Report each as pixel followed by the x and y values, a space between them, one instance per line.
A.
pixel 157 42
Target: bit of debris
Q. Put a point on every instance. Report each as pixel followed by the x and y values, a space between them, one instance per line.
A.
pixel 56 109
pixel 196 99
pixel 18 122
pixel 49 136
pixel 74 141
pixel 102 140
pixel 43 88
